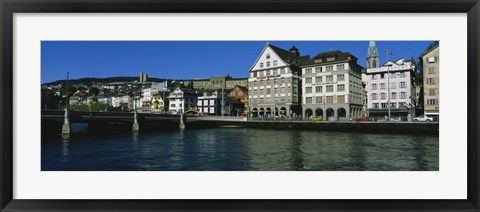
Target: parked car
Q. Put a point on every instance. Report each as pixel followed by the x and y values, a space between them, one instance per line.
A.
pixel 423 118
pixel 365 119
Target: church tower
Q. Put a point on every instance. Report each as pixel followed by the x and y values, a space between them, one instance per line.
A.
pixel 372 56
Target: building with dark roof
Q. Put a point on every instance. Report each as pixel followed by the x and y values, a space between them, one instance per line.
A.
pixel 274 82
pixel 332 86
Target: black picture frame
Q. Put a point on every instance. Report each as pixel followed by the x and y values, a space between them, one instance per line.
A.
pixel 9 7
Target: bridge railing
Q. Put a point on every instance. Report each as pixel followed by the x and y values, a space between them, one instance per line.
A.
pixel 218 118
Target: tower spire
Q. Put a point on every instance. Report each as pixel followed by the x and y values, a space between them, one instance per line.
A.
pixel 372 55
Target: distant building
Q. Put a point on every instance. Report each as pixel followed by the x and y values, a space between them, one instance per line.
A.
pixel 216 83
pixel 157 104
pixel 209 103
pixel 274 82
pixel 431 81
pixel 123 101
pixel 332 87
pixel 238 99
pixel 181 100
pixel 143 77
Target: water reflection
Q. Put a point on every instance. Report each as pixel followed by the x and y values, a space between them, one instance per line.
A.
pixel 241 149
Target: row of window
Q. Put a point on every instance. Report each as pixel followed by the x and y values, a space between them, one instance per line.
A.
pixel 432 102
pixel 393 95
pixel 320 69
pixel 328 88
pixel 268 64
pixel 319 79
pixel 392 75
pixel 268 72
pixel 321 100
pixel 392 85
pixel 392 105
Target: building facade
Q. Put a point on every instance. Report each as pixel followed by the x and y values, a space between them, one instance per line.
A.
pixel 238 98
pixel 181 100
pixel 332 87
pixel 394 83
pixel 274 82
pixel 431 82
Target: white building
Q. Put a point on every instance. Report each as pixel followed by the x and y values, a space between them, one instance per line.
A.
pixel 392 82
pixel 332 87
pixel 182 100
pixel 274 82
pixel 124 101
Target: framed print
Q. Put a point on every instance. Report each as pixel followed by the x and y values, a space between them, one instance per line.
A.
pixel 256 106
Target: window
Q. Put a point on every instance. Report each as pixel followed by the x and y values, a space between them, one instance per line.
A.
pixel 274 63
pixel 382 86
pixel 308 70
pixel 341 87
pixel 340 67
pixel 402 105
pixel 394 95
pixel 402 74
pixel 329 88
pixel 282 71
pixel 431 70
pixel 393 105
pixel 384 105
pixel 403 85
pixel 373 76
pixel 383 96
pixel 240 93
pixel 330 58
pixel 318 69
pixel 318 99
pixel 318 79
pixel 268 64
pixel 403 95
pixel 268 56
pixel 374 86
pixel 340 77
pixel 432 102
pixel 282 90
pixel 308 90
pixel 328 68
pixel 340 99
pixel 308 100
pixel 261 65
pixel 374 96
pixel 308 80
pixel 431 92
pixel 431 59
pixel 318 89
pixel 329 99
pixel 172 105
pixel 375 105
pixel 430 81
pixel 394 85
pixel 269 91
pixel 329 78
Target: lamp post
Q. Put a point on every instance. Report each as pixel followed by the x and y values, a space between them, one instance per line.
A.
pixel 274 100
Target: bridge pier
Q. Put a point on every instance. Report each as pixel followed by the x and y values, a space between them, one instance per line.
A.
pixel 66 125
pixel 135 126
pixel 182 124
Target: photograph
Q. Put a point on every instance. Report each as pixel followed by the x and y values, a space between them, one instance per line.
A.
pixel 266 105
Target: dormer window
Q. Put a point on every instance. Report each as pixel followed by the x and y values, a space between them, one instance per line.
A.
pixel 330 59
pixel 318 60
pixel 268 56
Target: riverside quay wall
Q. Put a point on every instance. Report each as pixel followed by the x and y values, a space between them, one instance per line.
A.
pixel 347 126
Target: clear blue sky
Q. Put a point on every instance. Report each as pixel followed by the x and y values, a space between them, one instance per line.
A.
pixel 188 59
